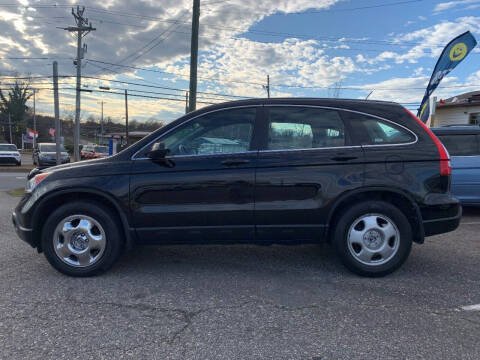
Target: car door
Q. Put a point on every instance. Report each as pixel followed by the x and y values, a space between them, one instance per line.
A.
pixel 204 192
pixel 465 161
pixel 305 163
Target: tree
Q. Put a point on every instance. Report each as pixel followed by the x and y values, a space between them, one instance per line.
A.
pixel 15 104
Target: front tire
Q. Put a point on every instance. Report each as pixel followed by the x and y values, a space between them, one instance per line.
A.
pixel 82 239
pixel 373 238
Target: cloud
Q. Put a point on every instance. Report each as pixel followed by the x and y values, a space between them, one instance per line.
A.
pixel 451 4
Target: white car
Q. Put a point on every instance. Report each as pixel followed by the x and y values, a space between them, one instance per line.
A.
pixel 9 155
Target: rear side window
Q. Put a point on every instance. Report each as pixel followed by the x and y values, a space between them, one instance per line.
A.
pixel 304 128
pixel 372 131
pixel 460 145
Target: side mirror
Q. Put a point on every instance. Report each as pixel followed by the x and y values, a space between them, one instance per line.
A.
pixel 159 156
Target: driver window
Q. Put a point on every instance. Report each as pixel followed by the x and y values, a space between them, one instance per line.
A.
pixel 227 131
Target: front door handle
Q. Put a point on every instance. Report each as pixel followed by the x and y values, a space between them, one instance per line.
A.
pixel 344 158
pixel 235 162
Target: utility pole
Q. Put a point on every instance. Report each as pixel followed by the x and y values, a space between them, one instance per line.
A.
pixel 268 86
pixel 101 124
pixel 10 126
pixel 186 102
pixel 34 119
pixel 194 55
pixel 57 114
pixel 82 29
pixel 126 115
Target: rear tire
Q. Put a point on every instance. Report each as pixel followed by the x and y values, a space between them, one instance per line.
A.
pixel 82 239
pixel 373 238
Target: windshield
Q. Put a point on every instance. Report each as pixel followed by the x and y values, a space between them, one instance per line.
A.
pixel 101 149
pixel 50 148
pixel 7 147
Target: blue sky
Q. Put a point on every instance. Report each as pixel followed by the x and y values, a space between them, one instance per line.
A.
pixel 308 48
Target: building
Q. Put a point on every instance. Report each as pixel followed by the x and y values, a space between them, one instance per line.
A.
pixel 458 110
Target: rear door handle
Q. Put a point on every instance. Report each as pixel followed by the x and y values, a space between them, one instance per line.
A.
pixel 235 162
pixel 344 158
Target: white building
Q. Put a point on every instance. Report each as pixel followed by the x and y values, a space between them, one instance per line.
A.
pixel 458 110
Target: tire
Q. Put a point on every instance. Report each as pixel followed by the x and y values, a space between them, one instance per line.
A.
pixel 372 238
pixel 77 251
pixel 19 163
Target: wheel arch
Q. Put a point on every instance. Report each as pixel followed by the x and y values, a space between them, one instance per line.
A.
pixel 60 197
pixel 397 197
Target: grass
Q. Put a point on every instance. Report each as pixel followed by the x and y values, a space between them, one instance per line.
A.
pixel 16 192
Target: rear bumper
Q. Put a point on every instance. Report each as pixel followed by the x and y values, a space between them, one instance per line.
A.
pixel 441 215
pixel 23 233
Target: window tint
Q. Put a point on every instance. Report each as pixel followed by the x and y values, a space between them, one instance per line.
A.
pixel 460 145
pixel 228 131
pixel 372 131
pixel 304 128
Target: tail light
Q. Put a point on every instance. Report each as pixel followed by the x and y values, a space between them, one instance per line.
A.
pixel 445 167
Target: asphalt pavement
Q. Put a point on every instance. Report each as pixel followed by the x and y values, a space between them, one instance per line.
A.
pixel 242 302
pixel 12 180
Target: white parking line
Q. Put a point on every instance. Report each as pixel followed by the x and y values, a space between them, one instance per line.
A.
pixel 471 307
pixel 470 223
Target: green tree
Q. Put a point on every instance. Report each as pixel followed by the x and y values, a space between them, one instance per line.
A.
pixel 15 104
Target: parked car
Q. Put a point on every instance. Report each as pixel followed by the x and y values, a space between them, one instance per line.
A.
pixel 94 152
pixel 462 142
pixel 9 154
pixel 45 154
pixel 86 152
pixel 366 176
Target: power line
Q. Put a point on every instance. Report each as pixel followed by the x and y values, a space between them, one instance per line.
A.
pixel 352 9
pixel 170 73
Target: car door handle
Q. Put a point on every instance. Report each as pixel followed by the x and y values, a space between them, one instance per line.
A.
pixel 235 162
pixel 344 158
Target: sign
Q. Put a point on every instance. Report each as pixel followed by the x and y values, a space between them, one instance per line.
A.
pixel 27 139
pixel 451 56
pixel 112 147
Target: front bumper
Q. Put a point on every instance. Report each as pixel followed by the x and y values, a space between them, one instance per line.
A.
pixel 9 160
pixel 51 162
pixel 23 233
pixel 441 214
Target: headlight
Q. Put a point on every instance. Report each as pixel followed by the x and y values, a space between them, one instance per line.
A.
pixel 33 182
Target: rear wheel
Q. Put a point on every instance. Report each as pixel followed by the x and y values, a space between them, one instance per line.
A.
pixel 373 238
pixel 81 239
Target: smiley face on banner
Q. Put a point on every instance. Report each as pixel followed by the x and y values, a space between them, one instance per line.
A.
pixel 458 52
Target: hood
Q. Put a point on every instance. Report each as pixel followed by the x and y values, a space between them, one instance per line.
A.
pixel 63 153
pixel 94 167
pixel 8 152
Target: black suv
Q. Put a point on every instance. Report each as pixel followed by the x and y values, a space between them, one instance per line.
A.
pixel 366 176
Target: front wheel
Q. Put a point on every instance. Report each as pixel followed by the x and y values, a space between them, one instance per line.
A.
pixel 81 239
pixel 373 238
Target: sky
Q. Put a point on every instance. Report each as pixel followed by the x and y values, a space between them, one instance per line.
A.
pixel 312 48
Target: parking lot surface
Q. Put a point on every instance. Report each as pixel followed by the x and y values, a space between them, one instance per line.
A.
pixel 242 302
